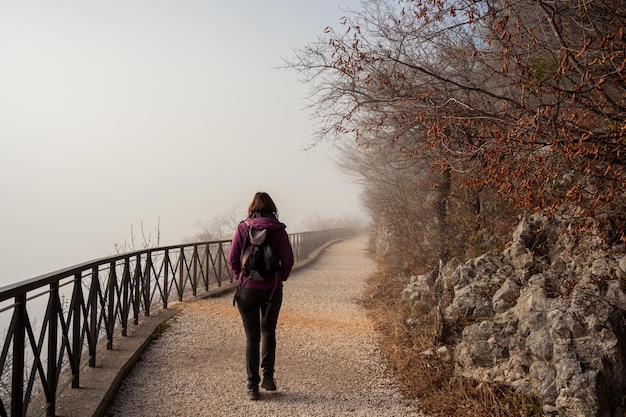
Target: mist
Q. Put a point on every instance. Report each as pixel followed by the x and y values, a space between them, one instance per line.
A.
pixel 157 114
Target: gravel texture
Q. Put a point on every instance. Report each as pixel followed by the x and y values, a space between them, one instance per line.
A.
pixel 327 361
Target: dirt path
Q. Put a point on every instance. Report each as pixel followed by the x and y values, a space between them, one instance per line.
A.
pixel 327 360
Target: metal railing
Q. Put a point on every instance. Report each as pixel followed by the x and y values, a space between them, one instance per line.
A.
pixel 59 321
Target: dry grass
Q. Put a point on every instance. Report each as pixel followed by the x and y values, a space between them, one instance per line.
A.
pixel 427 378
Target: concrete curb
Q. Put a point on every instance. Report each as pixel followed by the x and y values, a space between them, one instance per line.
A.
pixel 100 385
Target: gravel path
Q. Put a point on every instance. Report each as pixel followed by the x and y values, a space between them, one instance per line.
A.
pixel 327 361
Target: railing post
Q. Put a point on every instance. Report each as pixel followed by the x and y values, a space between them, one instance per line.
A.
pixel 53 326
pixel 181 275
pixel 125 307
pixel 17 377
pixel 166 291
pixel 194 279
pixel 137 280
pixel 132 290
pixel 207 266
pixel 111 306
pixel 220 252
pixel 145 284
pixel 76 327
pixel 93 316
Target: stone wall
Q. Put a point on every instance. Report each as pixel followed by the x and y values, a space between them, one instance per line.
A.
pixel 546 317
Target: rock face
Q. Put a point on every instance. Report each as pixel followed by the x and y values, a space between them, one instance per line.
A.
pixel 546 316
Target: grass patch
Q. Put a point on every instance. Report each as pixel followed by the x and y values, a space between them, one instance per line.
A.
pixel 161 328
pixel 429 379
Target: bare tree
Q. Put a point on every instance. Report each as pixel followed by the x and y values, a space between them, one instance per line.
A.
pixel 146 239
pixel 221 227
pixel 375 83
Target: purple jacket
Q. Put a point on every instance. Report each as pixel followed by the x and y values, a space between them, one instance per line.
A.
pixel 280 245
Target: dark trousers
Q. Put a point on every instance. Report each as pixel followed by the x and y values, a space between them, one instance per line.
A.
pixel 259 322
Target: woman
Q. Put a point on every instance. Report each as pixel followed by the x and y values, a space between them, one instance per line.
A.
pixel 259 301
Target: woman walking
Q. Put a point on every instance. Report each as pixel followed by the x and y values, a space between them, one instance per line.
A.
pixel 259 298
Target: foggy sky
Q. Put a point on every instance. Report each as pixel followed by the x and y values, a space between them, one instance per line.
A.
pixel 114 113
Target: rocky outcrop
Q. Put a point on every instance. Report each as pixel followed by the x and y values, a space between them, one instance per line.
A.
pixel 546 317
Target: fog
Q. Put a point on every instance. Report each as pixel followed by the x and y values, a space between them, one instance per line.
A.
pixel 120 113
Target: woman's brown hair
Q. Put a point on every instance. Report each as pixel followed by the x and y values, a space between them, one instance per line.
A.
pixel 262 202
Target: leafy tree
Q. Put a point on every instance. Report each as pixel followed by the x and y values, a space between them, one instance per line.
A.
pixel 520 98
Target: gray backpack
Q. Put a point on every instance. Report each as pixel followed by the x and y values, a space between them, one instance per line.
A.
pixel 258 261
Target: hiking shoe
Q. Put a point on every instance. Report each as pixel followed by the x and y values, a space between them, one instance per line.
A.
pixel 269 383
pixel 253 393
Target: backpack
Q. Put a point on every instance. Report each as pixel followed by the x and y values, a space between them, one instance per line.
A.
pixel 258 261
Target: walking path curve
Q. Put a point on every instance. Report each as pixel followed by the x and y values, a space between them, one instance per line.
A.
pixel 327 361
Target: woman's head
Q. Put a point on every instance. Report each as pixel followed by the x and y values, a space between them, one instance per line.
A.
pixel 262 202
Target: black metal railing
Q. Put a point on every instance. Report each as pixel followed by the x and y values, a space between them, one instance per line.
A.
pixel 58 321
